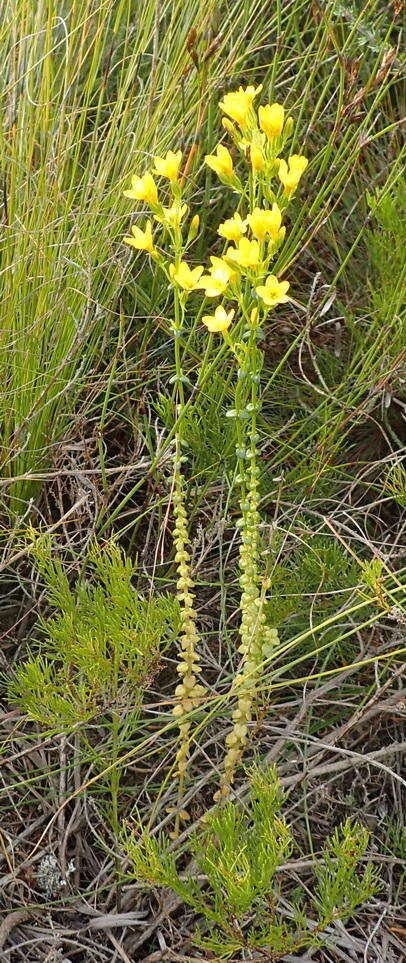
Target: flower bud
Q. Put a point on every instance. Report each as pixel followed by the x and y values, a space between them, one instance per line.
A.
pixel 288 128
pixel 193 228
pixel 257 159
pixel 229 126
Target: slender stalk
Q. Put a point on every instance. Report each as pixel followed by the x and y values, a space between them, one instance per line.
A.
pixel 188 692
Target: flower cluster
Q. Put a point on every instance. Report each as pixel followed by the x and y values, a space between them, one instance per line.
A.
pixel 255 239
pixel 145 189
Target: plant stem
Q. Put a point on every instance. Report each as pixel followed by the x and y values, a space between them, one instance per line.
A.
pixel 188 692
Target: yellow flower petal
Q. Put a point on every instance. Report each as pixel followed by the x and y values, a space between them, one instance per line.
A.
pixel 211 286
pixel 246 254
pixel 291 172
pixel 169 165
pixel 237 104
pixel 186 277
pixel 263 222
pixel 220 269
pixel 257 159
pixel 172 215
pixel 141 240
pixel 220 276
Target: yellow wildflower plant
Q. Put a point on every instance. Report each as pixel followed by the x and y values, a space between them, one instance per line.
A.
pixel 266 222
pixel 169 165
pixel 273 292
pixel 237 104
pixel 176 240
pixel 221 162
pixel 141 240
pixel 291 172
pixel 185 276
pixel 233 228
pixel 220 321
pixel 256 234
pixel 271 119
pixel 143 189
pixel 242 274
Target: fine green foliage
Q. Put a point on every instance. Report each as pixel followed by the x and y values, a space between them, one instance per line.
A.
pixel 395 483
pixel 238 854
pixel 97 655
pixel 101 645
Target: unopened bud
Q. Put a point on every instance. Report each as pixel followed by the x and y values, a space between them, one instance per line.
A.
pixel 257 159
pixel 287 130
pixel 229 126
pixel 193 228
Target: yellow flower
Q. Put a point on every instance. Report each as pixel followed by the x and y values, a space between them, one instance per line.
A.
pixel 290 177
pixel 271 118
pixel 265 222
pixel 233 228
pixel 142 240
pixel 246 254
pixel 257 159
pixel 143 189
pixel 220 321
pixel 220 269
pixel 237 104
pixel 216 282
pixel 186 277
pixel 273 291
pixel 172 215
pixel 212 286
pixel 223 163
pixel 169 165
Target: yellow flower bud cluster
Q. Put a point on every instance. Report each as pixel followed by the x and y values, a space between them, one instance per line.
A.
pixel 188 692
